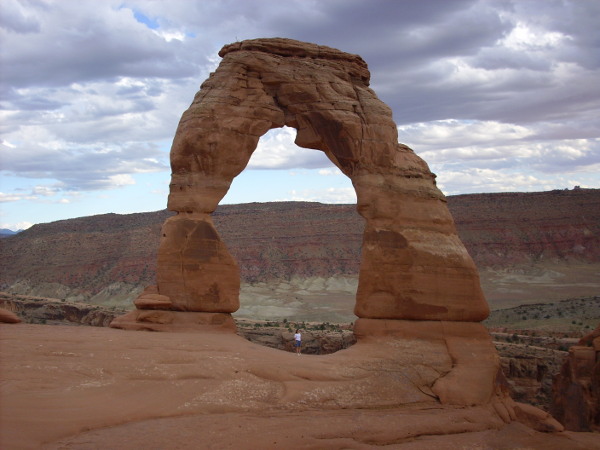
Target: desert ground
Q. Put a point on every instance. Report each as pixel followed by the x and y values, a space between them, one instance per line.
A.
pixel 67 387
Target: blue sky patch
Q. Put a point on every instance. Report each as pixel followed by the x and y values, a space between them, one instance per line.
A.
pixel 142 18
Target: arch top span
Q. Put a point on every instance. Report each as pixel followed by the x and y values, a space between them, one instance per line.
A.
pixel 268 83
pixel 413 264
pixel 355 66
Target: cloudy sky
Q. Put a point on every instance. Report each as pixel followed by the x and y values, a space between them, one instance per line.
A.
pixel 495 95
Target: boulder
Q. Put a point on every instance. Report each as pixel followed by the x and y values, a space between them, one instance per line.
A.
pixel 7 316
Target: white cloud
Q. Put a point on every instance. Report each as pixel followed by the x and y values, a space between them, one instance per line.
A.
pixel 44 191
pixel 332 171
pixel 524 37
pixel 14 197
pixel 477 180
pixel 171 35
pixel 277 150
pixel 121 180
pixel 16 226
pixel 454 133
pixel 327 195
pixel 443 142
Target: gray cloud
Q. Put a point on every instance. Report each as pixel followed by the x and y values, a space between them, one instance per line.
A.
pixel 89 91
pixel 16 17
pixel 78 42
pixel 85 168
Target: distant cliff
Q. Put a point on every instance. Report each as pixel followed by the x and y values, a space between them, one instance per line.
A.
pixel 524 228
pixel 109 258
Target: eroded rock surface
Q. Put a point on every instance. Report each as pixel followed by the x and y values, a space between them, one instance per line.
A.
pixel 17 308
pixel 526 247
pixel 7 316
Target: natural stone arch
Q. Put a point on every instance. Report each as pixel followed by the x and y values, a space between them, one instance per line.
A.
pixel 413 264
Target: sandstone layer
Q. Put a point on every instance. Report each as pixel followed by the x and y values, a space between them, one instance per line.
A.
pixel 52 311
pixel 91 387
pixel 413 264
pixel 417 285
pixel 7 316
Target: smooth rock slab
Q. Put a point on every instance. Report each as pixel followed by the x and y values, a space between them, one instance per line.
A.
pixel 91 387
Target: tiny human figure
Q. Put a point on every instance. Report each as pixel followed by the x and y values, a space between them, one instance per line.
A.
pixel 298 342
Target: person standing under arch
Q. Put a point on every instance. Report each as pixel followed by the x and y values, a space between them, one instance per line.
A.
pixel 298 342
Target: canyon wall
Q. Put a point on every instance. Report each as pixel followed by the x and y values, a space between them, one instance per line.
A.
pixel 109 259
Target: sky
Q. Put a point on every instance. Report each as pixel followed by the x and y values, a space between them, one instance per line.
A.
pixel 496 96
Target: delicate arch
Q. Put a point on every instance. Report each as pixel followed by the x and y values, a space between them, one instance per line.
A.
pixel 413 264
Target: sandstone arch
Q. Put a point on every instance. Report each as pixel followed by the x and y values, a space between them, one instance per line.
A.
pixel 413 264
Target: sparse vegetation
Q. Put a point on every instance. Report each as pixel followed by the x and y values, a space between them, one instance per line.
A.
pixel 571 316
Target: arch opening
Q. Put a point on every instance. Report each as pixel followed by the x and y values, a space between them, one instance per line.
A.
pixel 299 254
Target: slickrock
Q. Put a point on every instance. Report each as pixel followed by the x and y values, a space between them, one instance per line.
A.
pixel 90 387
pixel 14 309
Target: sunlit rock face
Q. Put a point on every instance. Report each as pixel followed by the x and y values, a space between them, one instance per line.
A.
pixel 413 264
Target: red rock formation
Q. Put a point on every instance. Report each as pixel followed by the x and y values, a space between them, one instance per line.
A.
pixel 91 387
pixel 576 389
pixel 14 309
pixel 413 264
pixel 7 316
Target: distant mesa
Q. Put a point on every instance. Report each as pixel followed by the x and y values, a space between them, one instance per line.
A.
pixel 5 232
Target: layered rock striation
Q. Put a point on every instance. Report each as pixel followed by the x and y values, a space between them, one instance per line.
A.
pixel 108 259
pixel 13 308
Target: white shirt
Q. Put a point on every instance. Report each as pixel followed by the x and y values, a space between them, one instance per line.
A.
pixel 298 337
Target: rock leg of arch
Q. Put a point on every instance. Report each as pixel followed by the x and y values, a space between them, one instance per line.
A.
pixel 417 282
